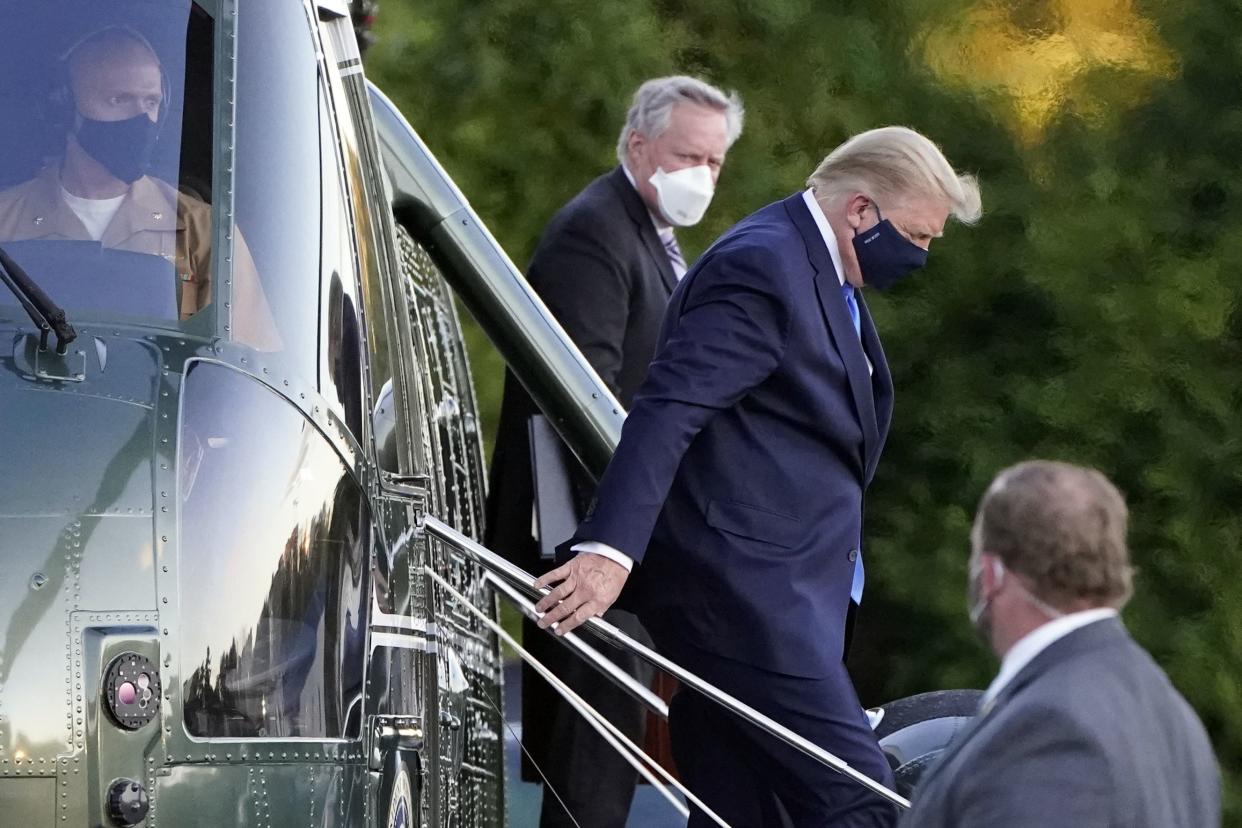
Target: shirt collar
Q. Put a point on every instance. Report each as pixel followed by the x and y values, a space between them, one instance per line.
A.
pixel 825 230
pixel 1038 640
pixel 663 229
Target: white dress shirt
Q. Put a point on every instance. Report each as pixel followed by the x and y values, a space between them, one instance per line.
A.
pixel 1038 640
pixel 825 230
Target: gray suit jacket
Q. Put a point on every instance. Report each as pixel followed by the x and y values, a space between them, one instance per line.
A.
pixel 1090 733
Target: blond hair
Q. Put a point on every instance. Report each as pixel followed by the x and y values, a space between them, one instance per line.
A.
pixel 893 164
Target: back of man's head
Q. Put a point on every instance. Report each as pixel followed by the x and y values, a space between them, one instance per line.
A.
pixel 1063 529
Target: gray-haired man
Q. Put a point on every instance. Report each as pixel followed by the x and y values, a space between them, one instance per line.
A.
pixel 606 266
pixel 1080 727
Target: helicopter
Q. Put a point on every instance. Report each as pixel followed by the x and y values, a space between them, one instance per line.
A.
pixel 242 472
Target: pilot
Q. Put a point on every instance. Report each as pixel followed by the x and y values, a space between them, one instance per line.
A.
pixel 111 106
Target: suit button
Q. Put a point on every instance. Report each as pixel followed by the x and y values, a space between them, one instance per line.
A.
pixel 853 555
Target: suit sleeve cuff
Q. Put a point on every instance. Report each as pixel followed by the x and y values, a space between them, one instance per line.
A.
pixel 603 549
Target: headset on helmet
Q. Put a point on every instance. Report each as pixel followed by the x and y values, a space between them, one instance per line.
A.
pixel 61 108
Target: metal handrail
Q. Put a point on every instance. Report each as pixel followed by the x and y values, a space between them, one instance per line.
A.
pixel 611 734
pixel 492 562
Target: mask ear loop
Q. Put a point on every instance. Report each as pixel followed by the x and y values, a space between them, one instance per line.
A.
pixel 998 572
pixel 975 612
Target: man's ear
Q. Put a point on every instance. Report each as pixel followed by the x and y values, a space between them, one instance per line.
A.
pixel 635 143
pixel 991 572
pixel 855 210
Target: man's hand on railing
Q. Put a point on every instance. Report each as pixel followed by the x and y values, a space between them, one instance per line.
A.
pixel 588 585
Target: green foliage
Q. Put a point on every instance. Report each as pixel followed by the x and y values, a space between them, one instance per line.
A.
pixel 1092 316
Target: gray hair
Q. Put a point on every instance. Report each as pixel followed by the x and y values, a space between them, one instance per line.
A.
pixel 896 163
pixel 654 101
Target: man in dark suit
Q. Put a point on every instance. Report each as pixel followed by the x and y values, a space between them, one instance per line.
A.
pixel 605 267
pixel 1080 727
pixel 737 488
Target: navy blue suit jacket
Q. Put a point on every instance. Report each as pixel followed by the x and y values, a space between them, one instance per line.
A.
pixel 738 482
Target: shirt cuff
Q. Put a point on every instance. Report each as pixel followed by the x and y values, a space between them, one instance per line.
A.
pixel 604 550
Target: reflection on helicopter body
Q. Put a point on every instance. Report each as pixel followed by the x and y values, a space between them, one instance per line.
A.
pixel 226 474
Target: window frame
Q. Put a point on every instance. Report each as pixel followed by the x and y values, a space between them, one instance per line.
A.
pixel 349 104
pixel 340 744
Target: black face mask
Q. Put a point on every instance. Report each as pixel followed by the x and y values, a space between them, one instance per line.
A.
pixel 885 256
pixel 123 147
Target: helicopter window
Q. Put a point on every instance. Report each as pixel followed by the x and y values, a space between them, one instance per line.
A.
pixel 106 154
pixel 277 183
pixel 340 363
pixel 369 205
pixel 273 576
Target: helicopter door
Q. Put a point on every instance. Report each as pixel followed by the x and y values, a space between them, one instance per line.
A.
pixel 401 686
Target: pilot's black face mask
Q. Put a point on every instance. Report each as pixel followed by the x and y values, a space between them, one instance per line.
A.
pixel 123 147
pixel 885 256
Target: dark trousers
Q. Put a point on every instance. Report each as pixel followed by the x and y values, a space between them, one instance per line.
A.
pixel 591 781
pixel 752 779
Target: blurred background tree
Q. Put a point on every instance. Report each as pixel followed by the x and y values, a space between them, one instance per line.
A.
pixel 1092 316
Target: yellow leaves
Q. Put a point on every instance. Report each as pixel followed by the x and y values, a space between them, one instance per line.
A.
pixel 1026 58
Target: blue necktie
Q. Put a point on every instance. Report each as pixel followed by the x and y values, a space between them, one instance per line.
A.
pixel 856 588
pixel 847 290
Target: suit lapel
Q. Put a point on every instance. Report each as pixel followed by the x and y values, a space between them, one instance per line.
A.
pixel 840 327
pixel 881 384
pixel 637 210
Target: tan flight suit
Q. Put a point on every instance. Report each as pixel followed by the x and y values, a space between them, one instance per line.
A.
pixel 154 219
pixel 157 220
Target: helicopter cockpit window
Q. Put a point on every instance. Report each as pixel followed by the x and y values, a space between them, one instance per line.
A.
pixel 106 155
pixel 277 171
pixel 273 575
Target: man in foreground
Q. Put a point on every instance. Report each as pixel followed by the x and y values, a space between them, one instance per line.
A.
pixel 605 267
pixel 1080 727
pixel 736 492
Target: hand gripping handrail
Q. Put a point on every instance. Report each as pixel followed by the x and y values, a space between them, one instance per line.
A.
pixel 492 562
pixel 594 657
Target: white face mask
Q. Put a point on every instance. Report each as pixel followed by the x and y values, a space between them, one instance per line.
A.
pixel 684 194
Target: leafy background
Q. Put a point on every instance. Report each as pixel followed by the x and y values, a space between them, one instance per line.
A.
pixel 1092 316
